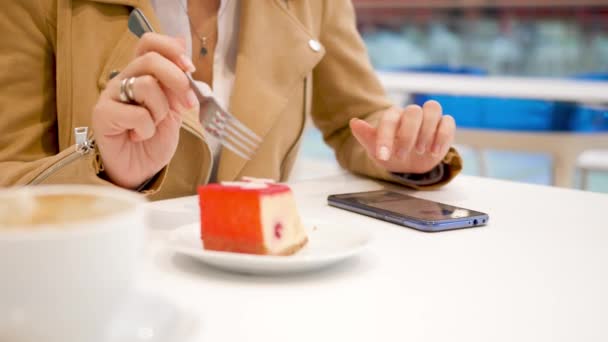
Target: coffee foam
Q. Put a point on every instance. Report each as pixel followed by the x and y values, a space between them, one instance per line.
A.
pixel 30 210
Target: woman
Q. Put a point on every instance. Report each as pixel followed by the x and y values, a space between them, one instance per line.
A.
pixel 270 62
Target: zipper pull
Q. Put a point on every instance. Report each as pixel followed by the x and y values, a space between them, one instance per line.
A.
pixel 83 144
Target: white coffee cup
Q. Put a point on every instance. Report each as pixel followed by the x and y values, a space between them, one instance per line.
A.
pixel 64 276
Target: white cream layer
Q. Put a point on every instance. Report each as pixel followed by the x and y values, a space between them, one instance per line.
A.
pixel 281 208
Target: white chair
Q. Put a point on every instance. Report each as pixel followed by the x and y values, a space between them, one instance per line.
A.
pixel 593 160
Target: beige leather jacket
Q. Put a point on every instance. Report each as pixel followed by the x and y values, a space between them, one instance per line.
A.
pixel 56 56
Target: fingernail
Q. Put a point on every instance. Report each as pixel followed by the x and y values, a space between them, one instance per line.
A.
pixel 191 98
pixel 420 148
pixel 384 153
pixel 436 150
pixel 187 64
pixel 404 153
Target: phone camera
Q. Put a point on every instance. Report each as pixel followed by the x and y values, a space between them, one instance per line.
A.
pixel 475 222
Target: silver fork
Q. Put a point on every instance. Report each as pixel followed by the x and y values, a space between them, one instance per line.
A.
pixel 216 121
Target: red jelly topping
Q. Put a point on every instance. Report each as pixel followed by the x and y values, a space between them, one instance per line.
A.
pixel 278 230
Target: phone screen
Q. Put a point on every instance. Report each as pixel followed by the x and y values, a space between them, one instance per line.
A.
pixel 408 206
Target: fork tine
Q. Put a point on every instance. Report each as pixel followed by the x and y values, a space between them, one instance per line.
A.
pixel 232 130
pixel 244 128
pixel 213 132
pixel 235 150
pixel 224 121
pixel 239 125
pixel 231 140
pixel 226 143
pixel 225 136
pixel 220 121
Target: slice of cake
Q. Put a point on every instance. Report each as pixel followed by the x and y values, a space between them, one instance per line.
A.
pixel 254 216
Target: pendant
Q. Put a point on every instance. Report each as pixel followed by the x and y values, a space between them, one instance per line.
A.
pixel 203 51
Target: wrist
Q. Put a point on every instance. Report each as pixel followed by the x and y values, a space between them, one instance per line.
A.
pixel 124 182
pixel 121 179
pixel 435 175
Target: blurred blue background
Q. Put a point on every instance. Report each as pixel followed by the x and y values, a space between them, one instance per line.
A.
pixel 567 42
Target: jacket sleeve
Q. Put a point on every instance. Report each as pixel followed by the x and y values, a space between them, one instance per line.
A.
pixel 29 143
pixel 345 86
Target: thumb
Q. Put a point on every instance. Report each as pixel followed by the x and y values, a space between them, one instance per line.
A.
pixel 365 134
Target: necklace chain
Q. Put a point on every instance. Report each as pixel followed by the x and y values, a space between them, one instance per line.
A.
pixel 203 38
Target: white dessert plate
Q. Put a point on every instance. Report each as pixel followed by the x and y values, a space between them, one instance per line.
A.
pixel 152 318
pixel 327 245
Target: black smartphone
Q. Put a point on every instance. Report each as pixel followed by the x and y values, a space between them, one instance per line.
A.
pixel 409 211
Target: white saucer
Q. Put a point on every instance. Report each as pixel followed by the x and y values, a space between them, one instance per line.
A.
pixel 327 244
pixel 151 318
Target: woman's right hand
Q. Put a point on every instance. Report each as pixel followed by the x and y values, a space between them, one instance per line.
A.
pixel 136 140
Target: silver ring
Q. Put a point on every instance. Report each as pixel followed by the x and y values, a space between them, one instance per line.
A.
pixel 126 90
pixel 123 94
pixel 129 89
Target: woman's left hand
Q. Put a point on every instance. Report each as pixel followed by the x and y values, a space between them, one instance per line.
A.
pixel 410 140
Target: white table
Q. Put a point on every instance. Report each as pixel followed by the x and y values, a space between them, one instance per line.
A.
pixel 538 272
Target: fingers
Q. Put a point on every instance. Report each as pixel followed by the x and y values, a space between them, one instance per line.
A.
pixel 173 49
pixel 120 117
pixel 166 72
pixel 424 131
pixel 149 94
pixel 386 134
pixel 432 116
pixel 409 126
pixel 444 137
pixel 160 88
pixel 365 134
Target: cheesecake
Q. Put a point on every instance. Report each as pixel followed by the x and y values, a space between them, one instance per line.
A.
pixel 255 216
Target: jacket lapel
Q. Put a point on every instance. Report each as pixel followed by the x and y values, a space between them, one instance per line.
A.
pixel 273 57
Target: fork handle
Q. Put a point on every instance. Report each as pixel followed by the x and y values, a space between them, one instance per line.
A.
pixel 138 23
